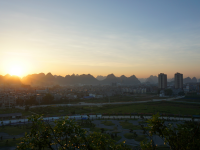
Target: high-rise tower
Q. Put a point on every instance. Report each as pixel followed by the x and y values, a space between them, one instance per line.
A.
pixel 162 81
pixel 178 81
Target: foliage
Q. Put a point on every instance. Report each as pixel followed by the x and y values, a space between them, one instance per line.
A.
pixel 181 93
pixel 177 137
pixel 27 108
pixel 65 134
pixel 47 99
pixel 168 92
pixel 30 101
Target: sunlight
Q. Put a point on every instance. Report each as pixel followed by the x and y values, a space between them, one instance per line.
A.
pixel 15 70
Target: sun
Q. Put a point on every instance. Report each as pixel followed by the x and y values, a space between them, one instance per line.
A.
pixel 15 70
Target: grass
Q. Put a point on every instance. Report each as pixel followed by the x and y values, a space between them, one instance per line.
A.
pixel 117 98
pixel 163 147
pixel 171 107
pixel 127 125
pixel 142 122
pixel 10 142
pixel 139 138
pixel 107 123
pixel 14 130
pixel 117 138
pixel 15 110
pixel 116 132
pixel 96 129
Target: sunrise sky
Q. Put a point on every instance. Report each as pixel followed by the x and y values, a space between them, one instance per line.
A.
pixel 100 37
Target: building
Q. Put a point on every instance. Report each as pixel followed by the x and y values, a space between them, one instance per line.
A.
pixel 178 81
pixel 162 81
pixel 42 91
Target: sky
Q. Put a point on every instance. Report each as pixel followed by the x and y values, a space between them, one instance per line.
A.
pixel 140 38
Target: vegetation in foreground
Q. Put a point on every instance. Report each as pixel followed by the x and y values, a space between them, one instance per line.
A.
pixel 66 134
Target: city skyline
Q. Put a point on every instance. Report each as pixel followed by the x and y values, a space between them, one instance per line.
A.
pixel 101 77
pixel 140 38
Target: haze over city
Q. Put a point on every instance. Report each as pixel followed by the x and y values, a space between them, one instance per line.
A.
pixel 140 38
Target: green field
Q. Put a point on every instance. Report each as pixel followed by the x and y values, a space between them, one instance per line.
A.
pixel 138 138
pixel 117 138
pixel 127 125
pixel 15 130
pixel 9 142
pixel 107 123
pixel 171 107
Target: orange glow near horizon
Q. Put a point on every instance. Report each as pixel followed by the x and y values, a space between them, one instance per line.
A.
pixel 14 66
pixel 15 70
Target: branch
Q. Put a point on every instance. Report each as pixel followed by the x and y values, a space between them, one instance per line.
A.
pixel 54 135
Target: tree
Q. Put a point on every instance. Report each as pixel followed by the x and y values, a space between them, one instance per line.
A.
pixel 48 99
pixel 27 108
pixel 181 93
pixel 65 134
pixel 177 137
pixel 20 101
pixel 168 92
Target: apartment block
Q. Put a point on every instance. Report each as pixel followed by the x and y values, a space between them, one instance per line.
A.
pixel 162 81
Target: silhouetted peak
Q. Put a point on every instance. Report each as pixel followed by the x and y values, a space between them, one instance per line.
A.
pixel 41 74
pixel 111 76
pixel 123 77
pixel 49 74
pixel 194 79
pixel 7 75
pixel 133 76
pixel 73 75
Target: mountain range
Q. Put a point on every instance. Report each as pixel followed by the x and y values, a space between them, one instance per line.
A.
pixel 48 79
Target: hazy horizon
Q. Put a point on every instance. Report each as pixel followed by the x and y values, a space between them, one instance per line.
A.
pixel 98 75
pixel 140 38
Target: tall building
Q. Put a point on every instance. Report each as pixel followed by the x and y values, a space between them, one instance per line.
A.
pixel 162 81
pixel 178 81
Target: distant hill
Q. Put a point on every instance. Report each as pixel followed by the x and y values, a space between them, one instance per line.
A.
pixel 152 79
pixel 189 80
pixel 123 80
pixel 170 80
pixel 8 79
pixel 99 77
pixel 142 80
pixel 49 79
pixel 194 80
